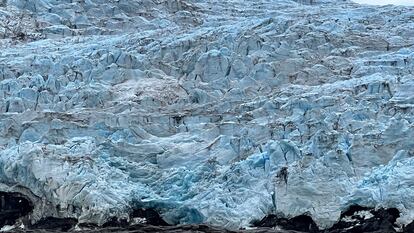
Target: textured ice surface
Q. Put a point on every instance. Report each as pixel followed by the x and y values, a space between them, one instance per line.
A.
pixel 386 2
pixel 208 111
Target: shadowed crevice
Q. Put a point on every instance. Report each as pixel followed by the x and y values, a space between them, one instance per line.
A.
pixel 302 223
pixel 12 207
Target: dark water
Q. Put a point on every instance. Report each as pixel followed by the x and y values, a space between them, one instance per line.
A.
pixel 172 229
pixel 353 220
pixel 193 229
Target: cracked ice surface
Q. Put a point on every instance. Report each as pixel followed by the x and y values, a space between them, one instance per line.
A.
pixel 195 108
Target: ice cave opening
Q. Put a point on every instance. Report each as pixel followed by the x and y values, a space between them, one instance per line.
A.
pixel 151 216
pixel 12 207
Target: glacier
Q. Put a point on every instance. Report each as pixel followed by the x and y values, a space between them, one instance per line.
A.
pixel 218 112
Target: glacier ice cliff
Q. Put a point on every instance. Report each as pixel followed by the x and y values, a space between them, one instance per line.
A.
pixel 207 111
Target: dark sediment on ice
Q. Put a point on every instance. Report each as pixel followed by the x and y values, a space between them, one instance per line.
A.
pixel 356 219
pixel 57 224
pixel 300 223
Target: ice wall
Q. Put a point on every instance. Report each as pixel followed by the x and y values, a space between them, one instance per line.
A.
pixel 208 111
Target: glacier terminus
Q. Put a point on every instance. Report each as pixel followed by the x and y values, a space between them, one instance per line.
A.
pixel 205 111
